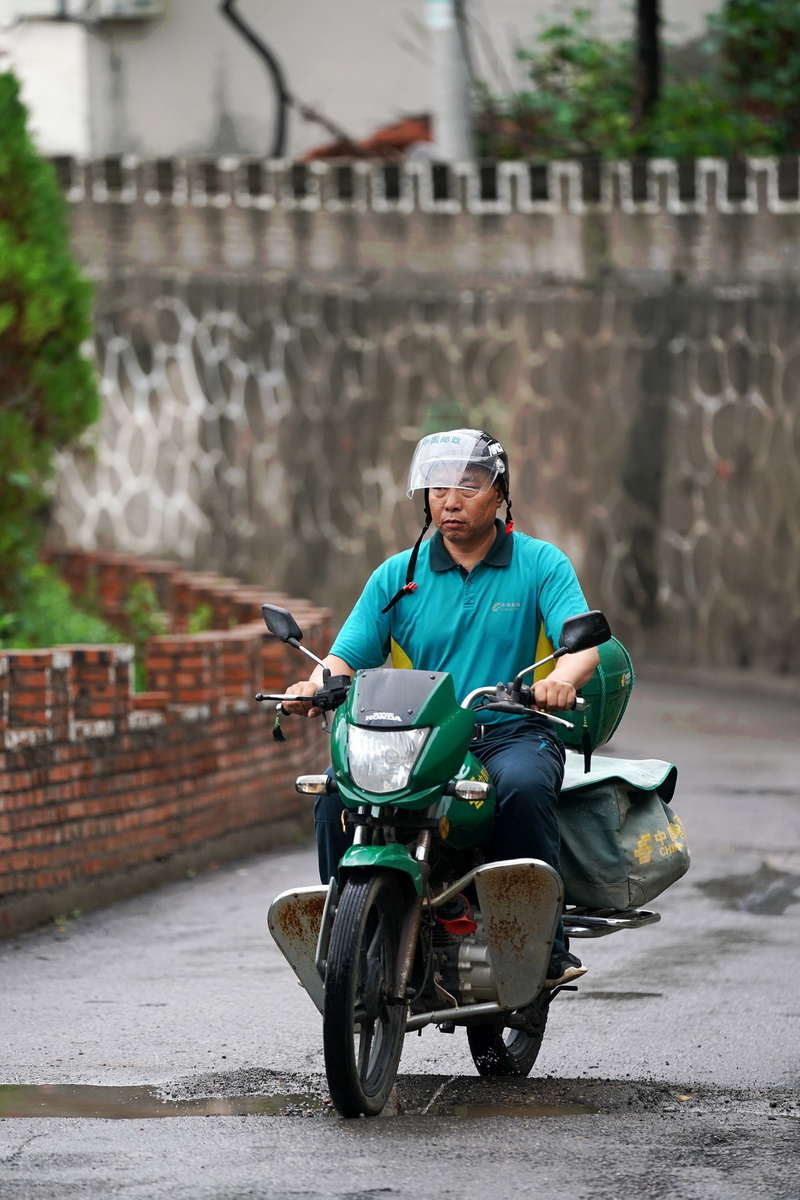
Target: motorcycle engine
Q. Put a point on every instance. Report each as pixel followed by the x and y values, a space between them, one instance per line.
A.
pixel 462 966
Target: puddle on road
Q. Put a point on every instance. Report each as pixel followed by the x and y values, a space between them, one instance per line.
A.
pixel 767 891
pixel 136 1103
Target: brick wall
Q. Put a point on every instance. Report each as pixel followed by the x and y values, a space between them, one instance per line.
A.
pixel 103 791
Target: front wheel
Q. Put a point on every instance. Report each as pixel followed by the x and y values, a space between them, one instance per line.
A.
pixel 362 1032
pixel 498 1050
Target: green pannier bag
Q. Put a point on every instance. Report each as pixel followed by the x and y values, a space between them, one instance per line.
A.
pixel 606 695
pixel 621 843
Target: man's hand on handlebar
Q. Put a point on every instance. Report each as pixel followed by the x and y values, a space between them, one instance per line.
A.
pixel 553 695
pixel 305 707
pixel 557 692
pixel 306 689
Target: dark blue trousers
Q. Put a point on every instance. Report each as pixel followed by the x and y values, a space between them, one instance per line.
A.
pixel 525 760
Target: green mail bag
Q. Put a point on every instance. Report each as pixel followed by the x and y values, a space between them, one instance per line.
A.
pixel 621 842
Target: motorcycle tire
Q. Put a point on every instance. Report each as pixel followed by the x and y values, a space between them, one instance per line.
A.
pixel 362 1034
pixel 498 1050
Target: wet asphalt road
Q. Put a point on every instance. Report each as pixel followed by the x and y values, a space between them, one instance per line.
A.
pixel 673 1071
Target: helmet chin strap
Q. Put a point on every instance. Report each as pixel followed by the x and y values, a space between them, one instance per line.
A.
pixel 409 585
pixel 507 498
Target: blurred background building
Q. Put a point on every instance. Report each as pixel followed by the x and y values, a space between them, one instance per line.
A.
pixel 159 78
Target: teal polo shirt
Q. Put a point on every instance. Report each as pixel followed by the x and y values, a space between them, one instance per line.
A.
pixel 483 626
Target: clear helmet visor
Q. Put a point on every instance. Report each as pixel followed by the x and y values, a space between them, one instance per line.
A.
pixel 461 458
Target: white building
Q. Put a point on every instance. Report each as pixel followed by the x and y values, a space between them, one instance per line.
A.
pixel 158 78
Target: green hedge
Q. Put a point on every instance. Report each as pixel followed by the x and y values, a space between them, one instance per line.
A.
pixel 48 388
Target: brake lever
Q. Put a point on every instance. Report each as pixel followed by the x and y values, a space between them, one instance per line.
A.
pixel 333 693
pixel 522 710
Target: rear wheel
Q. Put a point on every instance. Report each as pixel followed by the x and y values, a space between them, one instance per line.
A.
pixel 362 1032
pixel 499 1050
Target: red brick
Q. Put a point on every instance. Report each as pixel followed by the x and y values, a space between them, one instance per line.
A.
pixel 99 805
pixel 150 700
pixel 37 660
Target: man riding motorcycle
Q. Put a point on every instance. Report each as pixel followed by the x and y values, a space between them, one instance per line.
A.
pixel 474 600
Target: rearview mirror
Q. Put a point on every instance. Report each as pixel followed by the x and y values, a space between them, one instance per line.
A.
pixel 584 631
pixel 281 622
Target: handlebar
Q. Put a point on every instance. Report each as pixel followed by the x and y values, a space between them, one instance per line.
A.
pixel 330 696
pixel 522 707
pixel 333 693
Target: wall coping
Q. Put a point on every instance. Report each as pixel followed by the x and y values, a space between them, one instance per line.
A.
pixel 645 186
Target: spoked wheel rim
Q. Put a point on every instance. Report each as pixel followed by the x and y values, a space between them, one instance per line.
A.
pixel 362 1030
pixel 502 1051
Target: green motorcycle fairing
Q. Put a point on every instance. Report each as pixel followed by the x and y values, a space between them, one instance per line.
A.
pixel 469 822
pixel 391 858
pixel 393 699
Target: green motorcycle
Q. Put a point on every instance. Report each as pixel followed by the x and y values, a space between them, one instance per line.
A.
pixel 418 930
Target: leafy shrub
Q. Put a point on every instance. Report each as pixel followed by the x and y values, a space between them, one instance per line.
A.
pixel 144 619
pixel 744 99
pixel 48 390
pixel 48 615
pixel 759 44
pixel 580 102
pixel 699 119
pixel 200 619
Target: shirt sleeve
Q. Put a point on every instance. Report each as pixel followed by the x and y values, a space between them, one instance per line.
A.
pixel 364 639
pixel 560 594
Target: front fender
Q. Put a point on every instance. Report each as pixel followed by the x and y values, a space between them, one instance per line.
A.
pixel 384 858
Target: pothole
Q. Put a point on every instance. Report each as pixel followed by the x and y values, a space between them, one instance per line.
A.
pixel 508 1110
pixel 141 1102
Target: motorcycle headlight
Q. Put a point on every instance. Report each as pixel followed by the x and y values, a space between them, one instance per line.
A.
pixel 381 759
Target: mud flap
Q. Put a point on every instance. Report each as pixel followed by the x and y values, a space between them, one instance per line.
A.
pixel 294 920
pixel 521 901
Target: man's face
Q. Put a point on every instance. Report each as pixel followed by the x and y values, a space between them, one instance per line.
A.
pixel 464 515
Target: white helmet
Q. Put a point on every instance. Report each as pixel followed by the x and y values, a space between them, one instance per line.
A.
pixel 441 460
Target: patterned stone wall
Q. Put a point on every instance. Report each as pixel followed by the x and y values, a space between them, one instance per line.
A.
pixel 273 341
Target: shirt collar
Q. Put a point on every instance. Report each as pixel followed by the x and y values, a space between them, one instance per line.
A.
pixel 499 553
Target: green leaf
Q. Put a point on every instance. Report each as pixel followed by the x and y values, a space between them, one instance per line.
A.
pixel 48 391
pixel 744 99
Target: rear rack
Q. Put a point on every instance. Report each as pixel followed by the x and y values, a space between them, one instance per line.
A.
pixel 592 923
